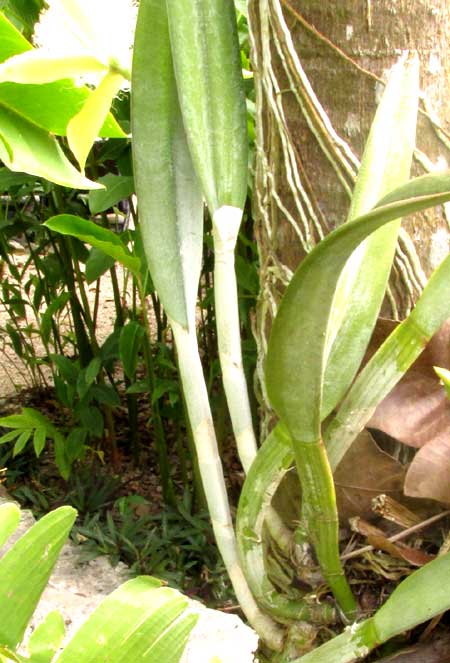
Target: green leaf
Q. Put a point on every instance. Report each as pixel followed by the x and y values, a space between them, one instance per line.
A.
pixel 25 570
pixel 206 56
pixel 130 342
pixel 117 188
pixel 390 363
pixel 170 201
pixel 97 264
pixel 49 106
pixel 9 521
pixel 28 418
pixel 92 370
pixel 35 152
pixel 47 317
pixel 91 233
pixel 7 437
pixel 36 66
pixel 9 180
pixel 67 368
pixel 297 343
pixel 141 621
pixel 84 127
pixel 105 395
pixel 360 291
pixel 45 641
pixel 40 435
pixel 21 442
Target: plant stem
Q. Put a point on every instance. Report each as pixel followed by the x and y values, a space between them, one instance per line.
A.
pixel 197 404
pixel 226 222
pixel 320 512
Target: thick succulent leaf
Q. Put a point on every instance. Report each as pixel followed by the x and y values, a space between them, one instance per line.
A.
pixel 90 232
pixel 169 198
pixel 360 291
pixel 32 150
pixel 296 354
pixel 388 365
pixel 51 105
pixel 141 621
pixel 25 570
pixel 85 126
pixel 9 520
pixel 205 48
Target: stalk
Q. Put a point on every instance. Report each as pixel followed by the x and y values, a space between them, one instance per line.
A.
pixel 199 412
pixel 320 513
pixel 226 222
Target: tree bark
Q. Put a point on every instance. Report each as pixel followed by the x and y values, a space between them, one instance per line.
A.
pixel 319 70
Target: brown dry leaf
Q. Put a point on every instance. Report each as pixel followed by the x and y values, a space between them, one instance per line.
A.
pixel 417 413
pixel 378 539
pixel 366 471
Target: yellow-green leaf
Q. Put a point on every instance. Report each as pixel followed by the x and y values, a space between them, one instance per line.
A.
pixel 84 128
pixel 37 66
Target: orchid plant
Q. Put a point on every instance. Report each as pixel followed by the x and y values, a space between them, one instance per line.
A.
pixel 189 143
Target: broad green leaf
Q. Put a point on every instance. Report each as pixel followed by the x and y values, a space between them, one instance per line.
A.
pixel 9 521
pixel 89 232
pixel 25 570
pixel 34 151
pixel 140 622
pixel 295 359
pixel 169 199
pixel 85 126
pixel 45 641
pixel 361 287
pixel 50 105
pixel 97 264
pixel 205 48
pixel 117 188
pixel 92 370
pixel 390 363
pixel 36 66
pixel 130 342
